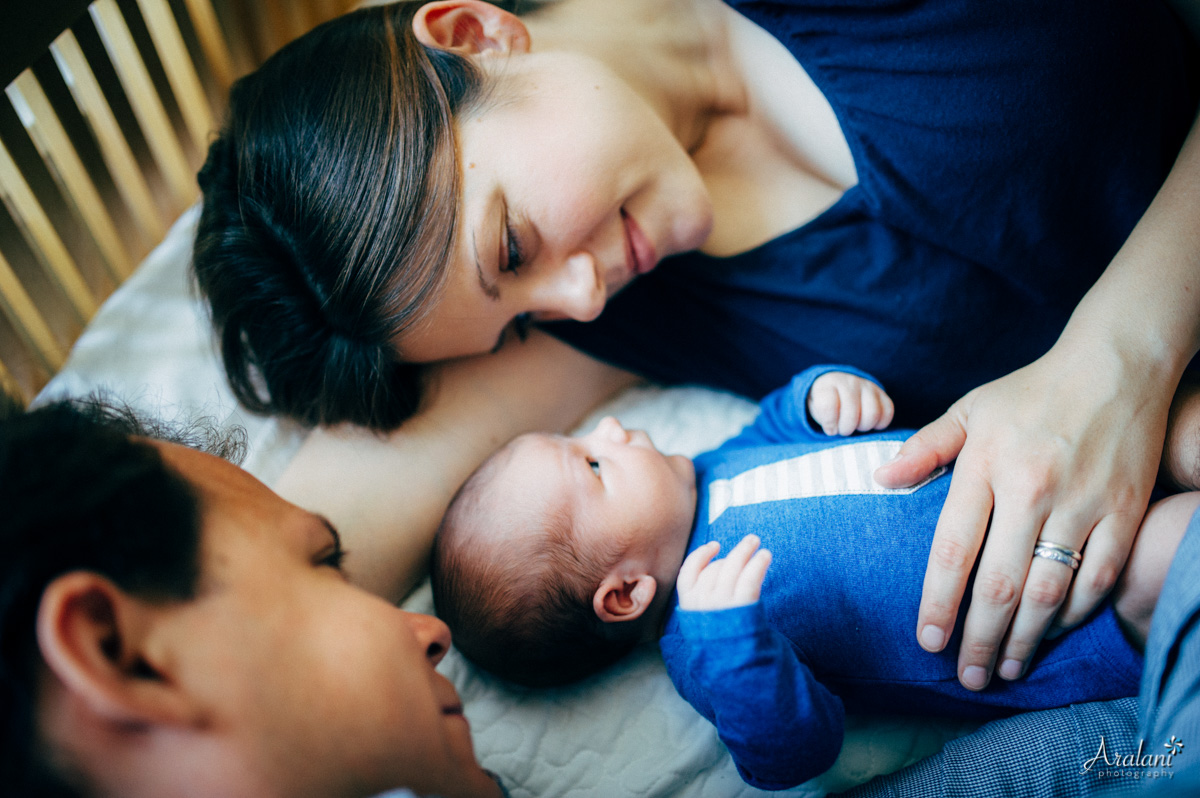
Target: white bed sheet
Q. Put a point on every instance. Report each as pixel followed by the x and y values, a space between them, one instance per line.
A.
pixel 623 733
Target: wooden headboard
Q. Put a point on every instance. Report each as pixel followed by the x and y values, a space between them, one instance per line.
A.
pixel 108 109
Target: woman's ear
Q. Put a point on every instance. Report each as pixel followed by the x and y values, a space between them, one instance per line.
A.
pixel 96 640
pixel 623 598
pixel 470 27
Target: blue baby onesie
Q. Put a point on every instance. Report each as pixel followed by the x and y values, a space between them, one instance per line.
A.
pixel 835 625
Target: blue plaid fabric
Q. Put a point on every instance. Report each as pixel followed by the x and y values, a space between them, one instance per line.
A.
pixel 1035 755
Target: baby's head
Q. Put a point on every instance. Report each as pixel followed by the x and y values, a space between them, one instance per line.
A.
pixel 559 554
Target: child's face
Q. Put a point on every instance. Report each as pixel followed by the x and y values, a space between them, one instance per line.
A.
pixel 613 483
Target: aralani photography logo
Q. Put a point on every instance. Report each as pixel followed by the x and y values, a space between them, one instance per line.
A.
pixel 1110 763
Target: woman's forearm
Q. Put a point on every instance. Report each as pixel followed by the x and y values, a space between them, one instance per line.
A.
pixel 386 493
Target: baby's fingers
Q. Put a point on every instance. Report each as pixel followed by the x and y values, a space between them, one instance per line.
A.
pixel 850 404
pixel 735 563
pixel 877 408
pixel 750 581
pixel 695 563
pixel 824 406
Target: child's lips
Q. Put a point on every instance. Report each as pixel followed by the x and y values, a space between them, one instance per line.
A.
pixel 640 251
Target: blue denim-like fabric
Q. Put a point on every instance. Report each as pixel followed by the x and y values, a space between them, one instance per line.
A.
pixel 834 629
pixel 1039 754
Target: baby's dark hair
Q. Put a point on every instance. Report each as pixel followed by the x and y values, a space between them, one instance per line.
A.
pixel 522 612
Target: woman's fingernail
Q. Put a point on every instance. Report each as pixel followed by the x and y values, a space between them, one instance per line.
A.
pixel 932 638
pixel 1010 669
pixel 974 677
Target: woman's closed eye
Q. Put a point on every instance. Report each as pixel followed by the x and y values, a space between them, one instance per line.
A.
pixel 514 255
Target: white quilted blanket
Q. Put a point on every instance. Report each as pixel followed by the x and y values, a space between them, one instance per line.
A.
pixel 624 733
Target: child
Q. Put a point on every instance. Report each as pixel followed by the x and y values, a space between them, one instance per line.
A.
pixel 561 554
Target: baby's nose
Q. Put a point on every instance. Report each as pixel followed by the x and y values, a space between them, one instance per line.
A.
pixel 612 429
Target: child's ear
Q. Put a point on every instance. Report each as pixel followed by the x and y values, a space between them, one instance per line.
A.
pixel 623 598
pixel 470 27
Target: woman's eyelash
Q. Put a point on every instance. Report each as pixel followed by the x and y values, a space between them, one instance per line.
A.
pixel 515 257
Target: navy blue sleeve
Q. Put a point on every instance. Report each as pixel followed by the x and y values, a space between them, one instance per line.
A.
pixel 781 726
pixel 783 413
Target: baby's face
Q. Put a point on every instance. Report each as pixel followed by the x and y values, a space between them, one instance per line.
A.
pixel 612 482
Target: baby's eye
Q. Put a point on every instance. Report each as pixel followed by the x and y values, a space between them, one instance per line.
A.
pixel 595 467
pixel 333 558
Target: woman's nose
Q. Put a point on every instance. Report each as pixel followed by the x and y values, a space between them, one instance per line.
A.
pixel 575 290
pixel 432 634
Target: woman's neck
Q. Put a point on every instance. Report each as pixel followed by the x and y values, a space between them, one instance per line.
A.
pixel 675 53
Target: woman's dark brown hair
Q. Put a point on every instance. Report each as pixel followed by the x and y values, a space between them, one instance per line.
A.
pixel 330 207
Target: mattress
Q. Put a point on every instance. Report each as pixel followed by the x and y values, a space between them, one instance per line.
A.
pixel 623 733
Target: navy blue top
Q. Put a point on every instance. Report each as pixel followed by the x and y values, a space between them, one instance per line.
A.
pixel 1004 151
pixel 833 630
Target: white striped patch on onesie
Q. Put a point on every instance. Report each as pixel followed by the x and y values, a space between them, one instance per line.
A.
pixel 836 471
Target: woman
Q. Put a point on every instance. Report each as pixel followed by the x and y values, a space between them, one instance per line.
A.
pixel 932 192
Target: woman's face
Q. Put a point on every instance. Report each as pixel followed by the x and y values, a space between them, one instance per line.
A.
pixel 572 187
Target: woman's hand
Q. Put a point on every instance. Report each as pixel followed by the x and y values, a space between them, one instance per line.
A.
pixel 1066 449
pixel 1063 451
pixel 842 403
pixel 735 581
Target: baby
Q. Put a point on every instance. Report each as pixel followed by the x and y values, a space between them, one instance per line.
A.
pixel 561 554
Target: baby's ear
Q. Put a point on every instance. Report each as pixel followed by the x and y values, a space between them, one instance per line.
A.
pixel 623 598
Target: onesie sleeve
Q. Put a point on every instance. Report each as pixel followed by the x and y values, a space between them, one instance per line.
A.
pixel 781 726
pixel 783 413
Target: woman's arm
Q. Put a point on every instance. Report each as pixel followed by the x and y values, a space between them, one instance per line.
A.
pixel 386 493
pixel 1065 449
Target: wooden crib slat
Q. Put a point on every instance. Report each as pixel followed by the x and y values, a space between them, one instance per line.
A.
pixel 118 157
pixel 36 114
pixel 181 73
pixel 9 384
pixel 39 232
pixel 212 41
pixel 147 107
pixel 29 324
pixel 328 9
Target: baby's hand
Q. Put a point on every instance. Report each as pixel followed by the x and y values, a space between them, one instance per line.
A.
pixel 841 403
pixel 732 582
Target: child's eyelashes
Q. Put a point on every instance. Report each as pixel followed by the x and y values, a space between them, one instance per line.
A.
pixel 595 466
pixel 333 557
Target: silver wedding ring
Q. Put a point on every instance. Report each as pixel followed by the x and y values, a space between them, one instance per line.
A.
pixel 1052 551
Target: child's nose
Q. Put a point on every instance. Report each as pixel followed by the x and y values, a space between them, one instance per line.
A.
pixel 612 429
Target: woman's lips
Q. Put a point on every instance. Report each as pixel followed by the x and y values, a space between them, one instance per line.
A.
pixel 640 250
